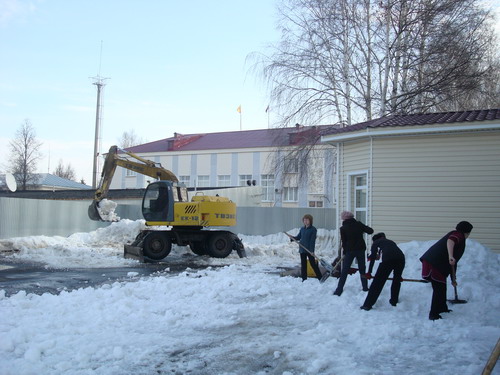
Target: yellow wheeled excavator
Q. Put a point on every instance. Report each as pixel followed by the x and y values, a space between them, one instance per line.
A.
pixel 170 216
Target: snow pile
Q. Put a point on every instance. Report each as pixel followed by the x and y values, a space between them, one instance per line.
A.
pixel 244 318
pixel 237 320
pixel 106 209
pixel 100 248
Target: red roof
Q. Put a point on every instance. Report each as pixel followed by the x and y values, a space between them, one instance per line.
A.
pixel 421 119
pixel 236 139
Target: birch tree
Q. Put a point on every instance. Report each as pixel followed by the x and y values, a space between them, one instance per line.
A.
pixel 344 61
pixel 25 153
pixel 129 139
pixel 66 172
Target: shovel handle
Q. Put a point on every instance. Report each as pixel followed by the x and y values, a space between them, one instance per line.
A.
pixel 321 261
pixel 409 280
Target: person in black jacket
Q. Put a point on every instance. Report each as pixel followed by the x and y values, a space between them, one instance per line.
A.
pixel 393 259
pixel 353 246
pixel 307 238
pixel 437 264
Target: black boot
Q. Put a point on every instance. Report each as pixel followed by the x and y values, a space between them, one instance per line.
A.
pixel 434 316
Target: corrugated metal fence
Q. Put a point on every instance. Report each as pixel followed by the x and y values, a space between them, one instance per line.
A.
pixel 31 217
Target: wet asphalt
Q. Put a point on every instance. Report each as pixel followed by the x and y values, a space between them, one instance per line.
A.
pixel 36 278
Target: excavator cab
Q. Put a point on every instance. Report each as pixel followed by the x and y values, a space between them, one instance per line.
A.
pixel 158 202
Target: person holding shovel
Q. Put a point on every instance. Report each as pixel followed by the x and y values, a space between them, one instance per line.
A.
pixel 307 238
pixel 393 260
pixel 439 261
pixel 354 246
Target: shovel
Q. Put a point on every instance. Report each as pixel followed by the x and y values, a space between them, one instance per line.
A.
pixel 407 280
pixel 328 267
pixel 454 282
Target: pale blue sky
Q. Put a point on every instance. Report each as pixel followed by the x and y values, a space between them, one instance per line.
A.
pixel 174 66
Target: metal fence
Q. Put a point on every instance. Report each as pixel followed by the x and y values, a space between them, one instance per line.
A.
pixel 31 217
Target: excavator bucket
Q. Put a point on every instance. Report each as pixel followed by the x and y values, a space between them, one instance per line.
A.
pixel 133 252
pixel 103 210
pixel 94 212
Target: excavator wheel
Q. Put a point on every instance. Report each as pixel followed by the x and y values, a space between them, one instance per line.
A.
pixel 220 244
pixel 198 248
pixel 157 245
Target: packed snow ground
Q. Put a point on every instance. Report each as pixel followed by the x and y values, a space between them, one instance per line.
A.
pixel 243 318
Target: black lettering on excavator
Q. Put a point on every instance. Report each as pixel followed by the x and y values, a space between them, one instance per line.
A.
pixel 189 218
pixel 225 216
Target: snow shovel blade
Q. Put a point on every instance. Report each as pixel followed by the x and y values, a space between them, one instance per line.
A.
pixel 327 266
pixel 457 301
pixel 325 276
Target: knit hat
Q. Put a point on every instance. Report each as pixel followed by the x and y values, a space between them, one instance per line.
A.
pixel 378 236
pixel 345 215
pixel 464 227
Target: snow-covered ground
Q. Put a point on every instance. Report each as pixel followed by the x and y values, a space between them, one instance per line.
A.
pixel 243 318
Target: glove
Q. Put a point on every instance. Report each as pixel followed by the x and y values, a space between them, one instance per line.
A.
pixel 368 275
pixel 368 259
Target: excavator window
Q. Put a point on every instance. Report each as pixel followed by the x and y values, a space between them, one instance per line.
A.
pixel 157 204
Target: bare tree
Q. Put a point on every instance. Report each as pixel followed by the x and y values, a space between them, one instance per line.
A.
pixel 129 139
pixel 348 60
pixel 25 153
pixel 66 172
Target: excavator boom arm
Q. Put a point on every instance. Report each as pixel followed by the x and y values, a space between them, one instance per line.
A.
pixel 140 165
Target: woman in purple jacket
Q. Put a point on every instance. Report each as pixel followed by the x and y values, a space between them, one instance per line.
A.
pixel 437 264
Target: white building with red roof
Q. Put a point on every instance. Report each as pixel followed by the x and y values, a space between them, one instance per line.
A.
pixel 291 166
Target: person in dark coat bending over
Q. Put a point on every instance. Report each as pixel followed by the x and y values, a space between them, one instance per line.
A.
pixel 307 238
pixel 353 246
pixel 437 263
pixel 393 259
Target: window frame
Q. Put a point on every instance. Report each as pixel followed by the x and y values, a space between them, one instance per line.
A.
pixel 267 184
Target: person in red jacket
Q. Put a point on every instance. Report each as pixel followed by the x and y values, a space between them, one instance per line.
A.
pixel 353 246
pixel 437 263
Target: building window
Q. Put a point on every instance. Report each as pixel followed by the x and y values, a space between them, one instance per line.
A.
pixel 186 180
pixel 223 180
pixel 203 181
pixel 267 182
pixel 290 194
pixel 244 178
pixel 318 204
pixel 130 173
pixel 359 193
pixel 291 165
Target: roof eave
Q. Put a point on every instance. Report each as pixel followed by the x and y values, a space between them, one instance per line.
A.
pixel 409 130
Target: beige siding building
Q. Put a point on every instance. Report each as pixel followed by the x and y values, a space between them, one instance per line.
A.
pixel 415 177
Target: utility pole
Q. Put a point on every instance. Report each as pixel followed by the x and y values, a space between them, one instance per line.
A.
pixel 99 82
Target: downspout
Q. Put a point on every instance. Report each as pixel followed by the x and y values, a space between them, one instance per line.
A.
pixel 370 184
pixel 337 193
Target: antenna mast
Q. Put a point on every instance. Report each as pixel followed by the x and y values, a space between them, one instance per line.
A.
pixel 99 82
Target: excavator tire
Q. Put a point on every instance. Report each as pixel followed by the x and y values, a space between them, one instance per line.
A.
pixel 157 245
pixel 220 244
pixel 198 247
